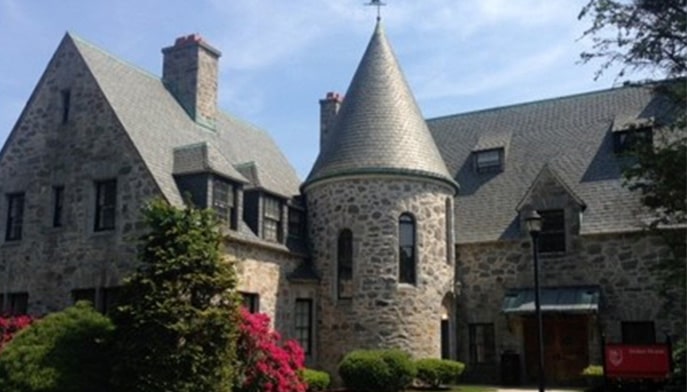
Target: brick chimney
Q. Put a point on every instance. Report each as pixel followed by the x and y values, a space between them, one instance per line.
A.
pixel 189 71
pixel 329 108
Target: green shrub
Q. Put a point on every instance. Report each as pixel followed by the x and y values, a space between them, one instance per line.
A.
pixel 377 370
pixel 435 372
pixel 593 371
pixel 64 352
pixel 316 380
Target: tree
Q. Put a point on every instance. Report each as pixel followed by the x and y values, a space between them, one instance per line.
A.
pixel 67 351
pixel 652 35
pixel 178 316
pixel 649 34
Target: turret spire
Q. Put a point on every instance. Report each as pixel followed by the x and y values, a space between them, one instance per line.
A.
pixel 379 4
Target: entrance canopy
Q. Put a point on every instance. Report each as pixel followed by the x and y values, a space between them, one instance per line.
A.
pixel 577 299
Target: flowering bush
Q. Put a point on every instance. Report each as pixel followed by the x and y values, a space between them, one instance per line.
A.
pixel 9 326
pixel 264 365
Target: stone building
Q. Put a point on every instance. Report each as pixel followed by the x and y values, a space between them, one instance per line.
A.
pixel 408 233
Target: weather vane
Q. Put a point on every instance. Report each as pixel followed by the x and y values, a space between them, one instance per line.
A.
pixel 379 4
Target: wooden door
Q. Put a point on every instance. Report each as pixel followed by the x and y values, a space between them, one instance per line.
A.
pixel 566 350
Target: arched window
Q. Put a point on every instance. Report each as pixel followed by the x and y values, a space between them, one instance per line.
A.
pixel 345 264
pixel 406 249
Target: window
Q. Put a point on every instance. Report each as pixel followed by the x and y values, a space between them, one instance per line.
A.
pixel 103 299
pixel 489 160
pixel 638 332
pixel 66 101
pixel 15 216
pixel 57 205
pixel 105 203
pixel 482 343
pixel 406 252
pixel 223 202
pixel 14 304
pixel 627 140
pixel 303 327
pixel 271 222
pixel 344 258
pixel 296 223
pixel 552 236
pixel 251 301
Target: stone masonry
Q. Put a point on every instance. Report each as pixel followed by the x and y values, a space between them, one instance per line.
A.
pixel 382 313
pixel 49 262
pixel 619 263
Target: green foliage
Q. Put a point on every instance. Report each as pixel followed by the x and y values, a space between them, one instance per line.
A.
pixel 646 34
pixel 178 315
pixel 677 382
pixel 377 370
pixel 652 35
pixel 593 371
pixel 317 380
pixel 66 351
pixel 436 372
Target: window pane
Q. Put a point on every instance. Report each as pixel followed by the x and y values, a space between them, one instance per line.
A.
pixel 105 209
pixel 271 227
pixel 295 223
pixel 488 160
pixel 552 236
pixel 406 240
pixel 58 196
pixel 303 324
pixel 15 216
pixel 345 264
pixel 251 301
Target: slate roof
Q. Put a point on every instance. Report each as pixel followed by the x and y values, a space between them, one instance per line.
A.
pixel 571 134
pixel 379 128
pixel 157 125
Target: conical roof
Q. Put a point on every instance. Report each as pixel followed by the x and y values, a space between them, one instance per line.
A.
pixel 379 128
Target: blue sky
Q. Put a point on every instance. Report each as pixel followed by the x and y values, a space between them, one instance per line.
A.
pixel 280 57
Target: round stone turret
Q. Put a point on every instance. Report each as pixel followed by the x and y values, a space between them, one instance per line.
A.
pixel 380 218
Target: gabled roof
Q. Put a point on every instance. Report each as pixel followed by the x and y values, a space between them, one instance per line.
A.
pixel 379 128
pixel 549 173
pixel 157 124
pixel 572 135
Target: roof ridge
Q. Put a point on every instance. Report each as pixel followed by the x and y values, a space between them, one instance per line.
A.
pixel 540 101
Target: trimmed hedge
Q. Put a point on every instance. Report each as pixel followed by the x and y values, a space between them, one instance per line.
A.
pixel 377 370
pixel 316 380
pixel 66 351
pixel 436 372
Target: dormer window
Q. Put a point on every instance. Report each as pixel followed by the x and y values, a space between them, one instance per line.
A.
pixel 271 219
pixel 629 139
pixel 489 160
pixel 224 202
pixel 296 223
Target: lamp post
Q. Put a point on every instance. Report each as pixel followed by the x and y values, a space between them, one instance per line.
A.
pixel 533 222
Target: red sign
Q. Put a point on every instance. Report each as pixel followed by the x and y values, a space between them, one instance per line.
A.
pixel 637 361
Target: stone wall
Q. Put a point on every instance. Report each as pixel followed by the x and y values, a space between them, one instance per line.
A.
pixel 620 264
pixel 43 152
pixel 264 270
pixel 382 312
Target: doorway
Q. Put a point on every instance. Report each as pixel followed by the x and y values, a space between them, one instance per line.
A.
pixel 566 347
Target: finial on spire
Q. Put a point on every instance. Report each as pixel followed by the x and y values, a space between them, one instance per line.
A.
pixel 379 4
